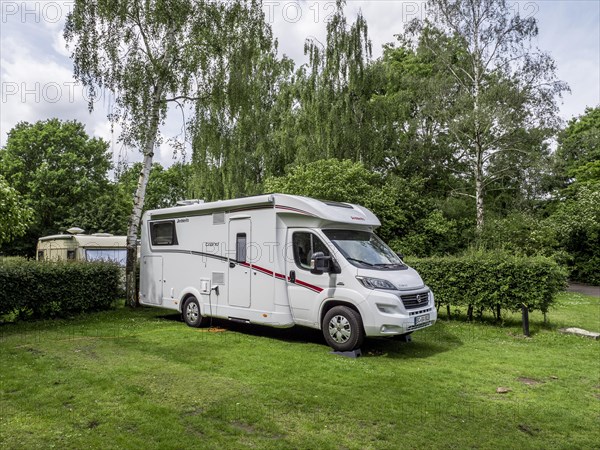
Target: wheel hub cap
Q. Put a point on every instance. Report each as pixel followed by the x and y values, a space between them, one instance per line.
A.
pixel 340 329
pixel 192 312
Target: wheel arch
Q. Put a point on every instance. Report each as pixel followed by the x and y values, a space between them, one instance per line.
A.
pixel 333 302
pixel 187 293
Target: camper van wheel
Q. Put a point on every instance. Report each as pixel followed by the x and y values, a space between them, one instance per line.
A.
pixel 191 313
pixel 343 329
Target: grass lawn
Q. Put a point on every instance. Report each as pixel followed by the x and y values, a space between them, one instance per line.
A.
pixel 142 379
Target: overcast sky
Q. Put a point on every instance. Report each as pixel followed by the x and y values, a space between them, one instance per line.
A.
pixel 36 72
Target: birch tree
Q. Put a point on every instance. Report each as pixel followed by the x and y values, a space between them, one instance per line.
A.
pixel 333 93
pixel 150 54
pixel 505 89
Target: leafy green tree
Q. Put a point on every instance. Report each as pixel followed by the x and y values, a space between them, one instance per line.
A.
pixel 165 186
pixel 106 213
pixel 151 54
pixel 55 167
pixel 577 223
pixel 15 216
pixel 575 211
pixel 333 115
pixel 234 145
pixel 577 158
pixel 521 233
pixel 396 202
pixel 411 91
pixel 504 91
pixel 110 210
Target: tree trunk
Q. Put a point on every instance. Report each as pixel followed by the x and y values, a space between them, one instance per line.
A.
pixel 525 319
pixel 478 144
pixel 134 223
pixel 479 192
pixel 138 202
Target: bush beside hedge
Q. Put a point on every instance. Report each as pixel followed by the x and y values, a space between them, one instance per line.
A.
pixel 492 281
pixel 57 289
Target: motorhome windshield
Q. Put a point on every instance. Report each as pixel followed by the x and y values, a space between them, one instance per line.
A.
pixel 364 249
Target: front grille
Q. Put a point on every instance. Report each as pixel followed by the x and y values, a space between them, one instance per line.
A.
pixel 414 301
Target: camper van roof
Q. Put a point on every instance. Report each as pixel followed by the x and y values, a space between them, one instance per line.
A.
pixel 85 240
pixel 284 204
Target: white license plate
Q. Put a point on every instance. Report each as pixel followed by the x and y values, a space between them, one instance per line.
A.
pixel 421 319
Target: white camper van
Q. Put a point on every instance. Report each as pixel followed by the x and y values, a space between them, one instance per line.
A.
pixel 281 260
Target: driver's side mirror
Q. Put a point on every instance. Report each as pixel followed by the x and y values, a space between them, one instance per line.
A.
pixel 319 263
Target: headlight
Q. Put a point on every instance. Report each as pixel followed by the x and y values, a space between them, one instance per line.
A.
pixel 376 283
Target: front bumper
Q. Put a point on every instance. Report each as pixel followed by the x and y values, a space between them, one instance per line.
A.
pixel 389 316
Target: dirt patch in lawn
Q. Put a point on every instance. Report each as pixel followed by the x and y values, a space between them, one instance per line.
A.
pixel 529 381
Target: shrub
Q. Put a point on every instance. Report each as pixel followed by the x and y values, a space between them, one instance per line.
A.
pixel 56 289
pixel 492 281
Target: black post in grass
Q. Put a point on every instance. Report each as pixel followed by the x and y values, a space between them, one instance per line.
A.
pixel 525 316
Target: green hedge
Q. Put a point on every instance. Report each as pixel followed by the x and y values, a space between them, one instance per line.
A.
pixel 56 289
pixel 492 281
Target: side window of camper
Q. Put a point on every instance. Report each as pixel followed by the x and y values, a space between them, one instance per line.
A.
pixel 304 245
pixel 40 255
pixel 70 254
pixel 240 247
pixel 163 233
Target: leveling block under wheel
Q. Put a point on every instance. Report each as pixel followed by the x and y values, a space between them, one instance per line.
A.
pixel 352 354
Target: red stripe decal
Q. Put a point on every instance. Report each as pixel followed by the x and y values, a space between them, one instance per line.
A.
pixel 312 287
pixel 262 269
pixel 289 208
pixel 281 276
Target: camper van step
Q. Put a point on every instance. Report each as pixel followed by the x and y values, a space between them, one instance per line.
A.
pixel 237 319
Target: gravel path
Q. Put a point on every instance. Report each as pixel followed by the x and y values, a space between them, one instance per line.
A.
pixel 586 289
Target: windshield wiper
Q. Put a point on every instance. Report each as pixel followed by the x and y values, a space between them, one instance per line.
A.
pixel 391 265
pixel 360 261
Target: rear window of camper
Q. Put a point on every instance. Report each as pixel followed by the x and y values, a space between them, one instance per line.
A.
pixel 118 255
pixel 163 233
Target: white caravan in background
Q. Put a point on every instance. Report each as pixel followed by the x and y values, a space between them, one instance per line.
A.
pixel 77 246
pixel 281 260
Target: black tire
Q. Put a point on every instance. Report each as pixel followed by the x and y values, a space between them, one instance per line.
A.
pixel 343 329
pixel 191 313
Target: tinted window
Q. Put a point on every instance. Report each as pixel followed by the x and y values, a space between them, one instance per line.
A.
pixel 163 233
pixel 240 247
pixel 304 246
pixel 70 254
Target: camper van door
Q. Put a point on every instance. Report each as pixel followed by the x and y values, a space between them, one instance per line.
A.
pixel 303 284
pixel 240 280
pixel 151 289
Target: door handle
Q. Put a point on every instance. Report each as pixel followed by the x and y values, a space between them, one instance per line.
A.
pixel 231 265
pixel 292 276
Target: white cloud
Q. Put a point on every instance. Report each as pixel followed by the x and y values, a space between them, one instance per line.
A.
pixel 59 45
